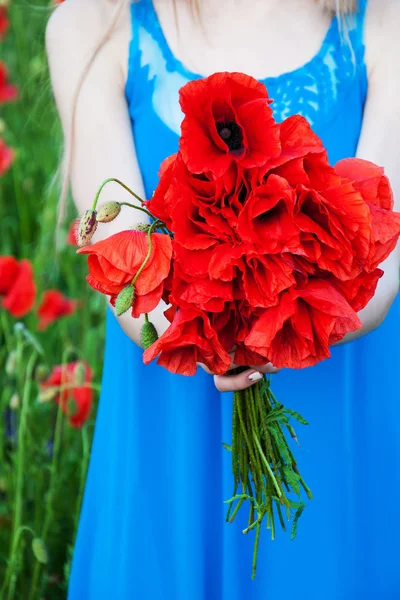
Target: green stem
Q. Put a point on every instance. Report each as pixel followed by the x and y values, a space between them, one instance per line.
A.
pixel 96 199
pixel 52 484
pixel 255 551
pixel 144 263
pixel 84 467
pixel 19 478
pixel 6 329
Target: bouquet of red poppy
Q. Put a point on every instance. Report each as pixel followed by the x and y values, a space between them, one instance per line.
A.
pixel 264 251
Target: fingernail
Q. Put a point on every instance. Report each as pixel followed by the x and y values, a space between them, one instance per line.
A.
pixel 256 376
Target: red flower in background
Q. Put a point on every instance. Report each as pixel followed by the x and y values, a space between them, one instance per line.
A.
pixel 6 157
pixel 227 119
pixel 4 23
pixel 54 305
pixel 17 286
pixel 114 262
pixel 8 92
pixel 77 379
pixel 72 235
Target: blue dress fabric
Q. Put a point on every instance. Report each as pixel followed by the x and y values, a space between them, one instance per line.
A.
pixel 153 520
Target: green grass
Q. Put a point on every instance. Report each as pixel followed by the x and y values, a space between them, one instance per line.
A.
pixel 40 490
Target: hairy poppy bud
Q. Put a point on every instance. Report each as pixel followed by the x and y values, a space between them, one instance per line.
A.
pixel 40 551
pixel 79 374
pixel 141 227
pixel 41 373
pixel 11 364
pixel 14 401
pixel 108 212
pixel 149 335
pixel 125 299
pixel 87 227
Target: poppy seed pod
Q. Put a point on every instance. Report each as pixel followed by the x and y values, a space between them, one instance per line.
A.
pixel 149 335
pixel 125 299
pixel 108 212
pixel 87 227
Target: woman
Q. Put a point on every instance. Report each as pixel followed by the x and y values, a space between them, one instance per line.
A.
pixel 152 524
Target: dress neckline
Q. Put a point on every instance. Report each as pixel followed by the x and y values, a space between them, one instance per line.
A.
pixel 175 64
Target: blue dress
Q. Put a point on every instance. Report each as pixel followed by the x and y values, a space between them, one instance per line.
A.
pixel 153 520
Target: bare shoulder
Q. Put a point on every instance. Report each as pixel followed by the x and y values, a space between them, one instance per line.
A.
pixel 382 38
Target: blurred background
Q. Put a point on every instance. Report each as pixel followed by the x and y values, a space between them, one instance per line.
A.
pixel 51 326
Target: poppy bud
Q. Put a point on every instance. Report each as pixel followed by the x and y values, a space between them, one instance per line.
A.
pixel 11 364
pixel 125 299
pixel 14 402
pixel 141 227
pixel 2 123
pixel 149 335
pixel 47 394
pixel 41 373
pixel 79 374
pixel 87 227
pixel 40 551
pixel 108 212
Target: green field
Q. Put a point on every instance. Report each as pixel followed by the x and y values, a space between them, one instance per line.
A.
pixel 43 459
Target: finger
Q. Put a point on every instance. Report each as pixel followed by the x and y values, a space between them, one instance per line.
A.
pixel 233 383
pixel 267 369
pixel 206 369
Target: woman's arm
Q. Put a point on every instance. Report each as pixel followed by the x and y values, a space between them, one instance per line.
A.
pixel 379 141
pixel 102 142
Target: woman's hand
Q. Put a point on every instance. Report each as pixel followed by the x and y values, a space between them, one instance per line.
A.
pixel 233 383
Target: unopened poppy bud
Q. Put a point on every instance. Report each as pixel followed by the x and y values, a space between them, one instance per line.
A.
pixel 41 373
pixel 87 227
pixel 14 401
pixel 141 227
pixel 40 551
pixel 125 299
pixel 11 364
pixel 108 212
pixel 79 374
pixel 2 123
pixel 47 394
pixel 149 335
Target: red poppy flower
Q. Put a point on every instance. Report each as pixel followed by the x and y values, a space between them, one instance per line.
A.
pixel 6 157
pixel 374 187
pixel 76 389
pixel 72 235
pixel 227 119
pixel 358 291
pixel 298 331
pixel 4 23
pixel 8 92
pixel 53 306
pixel 114 262
pixel 17 286
pixel 188 340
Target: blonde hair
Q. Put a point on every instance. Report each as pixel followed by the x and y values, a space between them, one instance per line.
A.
pixel 339 7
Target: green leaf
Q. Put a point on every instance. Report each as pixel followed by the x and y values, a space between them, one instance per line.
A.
pixel 229 448
pixel 295 521
pixel 297 416
pixel 293 480
pixel 283 452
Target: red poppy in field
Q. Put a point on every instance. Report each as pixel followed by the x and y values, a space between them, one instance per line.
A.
pixel 54 306
pixel 4 22
pixel 72 235
pixel 298 331
pixel 17 286
pixel 188 340
pixel 76 397
pixel 8 92
pixel 114 262
pixel 227 119
pixel 373 185
pixel 6 157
